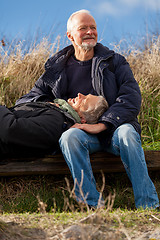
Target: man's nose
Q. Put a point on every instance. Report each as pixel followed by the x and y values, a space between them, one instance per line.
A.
pixel 80 95
pixel 90 30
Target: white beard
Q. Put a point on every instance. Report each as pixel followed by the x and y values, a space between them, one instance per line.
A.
pixel 86 46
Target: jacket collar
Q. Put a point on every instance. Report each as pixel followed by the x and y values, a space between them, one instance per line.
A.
pixel 102 51
pixel 58 61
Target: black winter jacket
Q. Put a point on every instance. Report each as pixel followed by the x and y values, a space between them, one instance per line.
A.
pixel 32 128
pixel 119 87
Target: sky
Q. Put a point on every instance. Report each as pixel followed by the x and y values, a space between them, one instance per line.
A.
pixel 117 20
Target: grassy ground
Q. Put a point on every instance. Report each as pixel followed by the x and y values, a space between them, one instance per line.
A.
pixel 103 224
pixel 40 207
pixel 50 193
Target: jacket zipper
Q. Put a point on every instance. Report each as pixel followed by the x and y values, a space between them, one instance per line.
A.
pixel 100 82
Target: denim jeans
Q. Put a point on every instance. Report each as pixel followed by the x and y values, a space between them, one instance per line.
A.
pixel 76 145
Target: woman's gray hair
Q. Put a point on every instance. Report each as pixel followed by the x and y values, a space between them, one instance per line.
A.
pixel 69 22
pixel 94 113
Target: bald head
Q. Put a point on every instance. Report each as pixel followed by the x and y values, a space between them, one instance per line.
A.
pixel 70 22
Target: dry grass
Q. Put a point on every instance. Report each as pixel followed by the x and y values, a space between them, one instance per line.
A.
pixel 56 193
pixel 76 221
pixel 115 225
pixel 20 70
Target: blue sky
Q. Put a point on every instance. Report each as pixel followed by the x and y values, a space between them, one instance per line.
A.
pixel 116 19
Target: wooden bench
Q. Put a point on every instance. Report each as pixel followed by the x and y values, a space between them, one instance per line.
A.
pixel 56 164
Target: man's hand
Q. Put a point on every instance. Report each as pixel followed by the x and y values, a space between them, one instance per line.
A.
pixel 91 128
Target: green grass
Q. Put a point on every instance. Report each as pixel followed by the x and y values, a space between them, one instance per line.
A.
pixel 104 224
pixel 151 146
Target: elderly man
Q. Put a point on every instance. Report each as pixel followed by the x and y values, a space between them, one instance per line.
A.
pixel 35 128
pixel 89 67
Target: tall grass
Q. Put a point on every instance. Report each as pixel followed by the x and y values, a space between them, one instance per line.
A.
pixel 19 70
pixel 145 65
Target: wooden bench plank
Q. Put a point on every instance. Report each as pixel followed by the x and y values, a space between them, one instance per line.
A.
pixel 56 164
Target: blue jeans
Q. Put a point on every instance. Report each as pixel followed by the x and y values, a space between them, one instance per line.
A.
pixel 76 145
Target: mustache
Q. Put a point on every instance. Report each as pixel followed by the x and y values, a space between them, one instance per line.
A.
pixel 89 37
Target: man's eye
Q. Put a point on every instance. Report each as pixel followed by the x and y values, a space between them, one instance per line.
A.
pixel 83 28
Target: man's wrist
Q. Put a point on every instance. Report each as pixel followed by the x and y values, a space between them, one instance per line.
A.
pixel 102 126
pixel 109 126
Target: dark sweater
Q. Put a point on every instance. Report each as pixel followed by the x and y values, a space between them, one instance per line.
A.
pixel 78 75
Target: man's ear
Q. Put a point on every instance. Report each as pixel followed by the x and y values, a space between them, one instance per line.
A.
pixel 70 37
pixel 83 120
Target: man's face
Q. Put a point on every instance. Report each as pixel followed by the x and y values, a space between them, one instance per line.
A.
pixel 82 103
pixel 84 31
